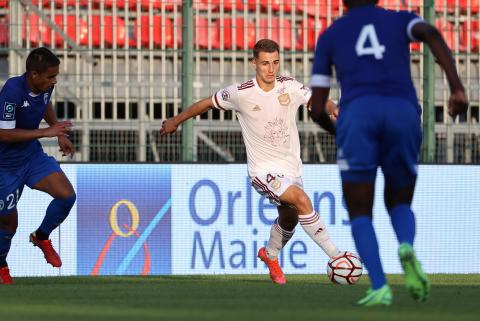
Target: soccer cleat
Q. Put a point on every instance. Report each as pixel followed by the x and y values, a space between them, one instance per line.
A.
pixel 382 296
pixel 276 273
pixel 5 277
pixel 416 280
pixel 49 252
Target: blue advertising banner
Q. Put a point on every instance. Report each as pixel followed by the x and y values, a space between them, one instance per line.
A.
pixel 124 225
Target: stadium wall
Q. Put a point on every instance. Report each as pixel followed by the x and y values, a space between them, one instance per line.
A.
pixel 141 219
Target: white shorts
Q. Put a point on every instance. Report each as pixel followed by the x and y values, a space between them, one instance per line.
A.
pixel 273 185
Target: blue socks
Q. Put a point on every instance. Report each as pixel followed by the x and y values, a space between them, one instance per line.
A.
pixel 367 247
pixel 403 222
pixel 57 212
pixel 5 242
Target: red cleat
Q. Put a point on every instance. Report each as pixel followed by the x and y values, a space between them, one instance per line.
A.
pixel 5 277
pixel 276 273
pixel 49 252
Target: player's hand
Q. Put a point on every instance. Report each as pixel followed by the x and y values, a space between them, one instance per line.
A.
pixel 332 110
pixel 168 126
pixel 66 146
pixel 61 128
pixel 458 103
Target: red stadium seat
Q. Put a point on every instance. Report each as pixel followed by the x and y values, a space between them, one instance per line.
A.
pixel 474 6
pixel 470 33
pixel 203 32
pixel 72 30
pixel 274 27
pixel 157 4
pixel 239 33
pixel 312 8
pixel 308 28
pixel 415 46
pixel 4 31
pixel 448 32
pixel 62 3
pixel 38 31
pixel 4 3
pixel 158 29
pixel 110 29
pixel 228 5
pixel 444 5
pixel 398 4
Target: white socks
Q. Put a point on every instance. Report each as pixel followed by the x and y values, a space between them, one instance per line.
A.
pixel 316 229
pixel 278 238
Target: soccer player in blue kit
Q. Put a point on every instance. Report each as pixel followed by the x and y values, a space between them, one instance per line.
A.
pixel 24 102
pixel 379 124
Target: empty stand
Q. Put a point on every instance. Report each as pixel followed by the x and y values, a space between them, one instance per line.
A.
pixel 271 30
pixel 71 30
pixel 159 29
pixel 111 28
pixel 447 30
pixel 308 28
pixel 239 30
pixel 169 5
pixel 322 8
pixel 4 31
pixel 35 30
pixel 470 34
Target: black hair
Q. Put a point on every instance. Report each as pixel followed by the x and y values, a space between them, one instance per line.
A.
pixel 40 59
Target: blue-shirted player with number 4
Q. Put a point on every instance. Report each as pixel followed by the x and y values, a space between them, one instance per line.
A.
pixel 24 102
pixel 379 125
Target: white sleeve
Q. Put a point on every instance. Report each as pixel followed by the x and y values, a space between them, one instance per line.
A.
pixel 226 98
pixel 302 93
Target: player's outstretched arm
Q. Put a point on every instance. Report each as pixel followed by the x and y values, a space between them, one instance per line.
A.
pixel 318 110
pixel 170 125
pixel 458 103
pixel 21 135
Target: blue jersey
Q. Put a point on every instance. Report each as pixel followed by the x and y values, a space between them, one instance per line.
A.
pixel 22 109
pixel 369 48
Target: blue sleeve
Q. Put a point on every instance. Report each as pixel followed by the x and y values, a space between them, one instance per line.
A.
pixel 322 62
pixel 409 19
pixel 10 100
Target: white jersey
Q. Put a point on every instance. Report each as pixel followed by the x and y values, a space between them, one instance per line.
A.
pixel 268 123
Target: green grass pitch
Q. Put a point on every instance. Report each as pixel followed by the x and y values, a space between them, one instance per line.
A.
pixel 225 298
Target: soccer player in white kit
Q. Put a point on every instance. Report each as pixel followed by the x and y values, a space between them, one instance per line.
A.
pixel 266 107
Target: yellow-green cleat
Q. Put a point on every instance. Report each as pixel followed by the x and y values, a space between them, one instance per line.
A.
pixel 416 280
pixel 382 296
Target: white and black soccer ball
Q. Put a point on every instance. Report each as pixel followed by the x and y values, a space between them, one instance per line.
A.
pixel 345 268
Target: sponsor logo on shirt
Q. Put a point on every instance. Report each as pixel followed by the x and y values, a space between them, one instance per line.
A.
pixel 25 104
pixel 9 110
pixel 256 108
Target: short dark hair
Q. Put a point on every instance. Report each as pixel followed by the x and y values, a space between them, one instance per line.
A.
pixel 40 59
pixel 265 45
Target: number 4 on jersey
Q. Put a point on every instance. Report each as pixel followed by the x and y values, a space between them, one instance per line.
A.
pixel 375 49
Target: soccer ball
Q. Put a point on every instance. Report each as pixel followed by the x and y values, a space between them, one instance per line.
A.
pixel 345 269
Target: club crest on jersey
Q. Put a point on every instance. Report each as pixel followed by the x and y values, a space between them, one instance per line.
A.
pixel 284 99
pixel 276 183
pixel 9 110
pixel 45 98
pixel 225 95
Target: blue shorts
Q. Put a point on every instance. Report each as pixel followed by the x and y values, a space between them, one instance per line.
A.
pixel 380 131
pixel 13 179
